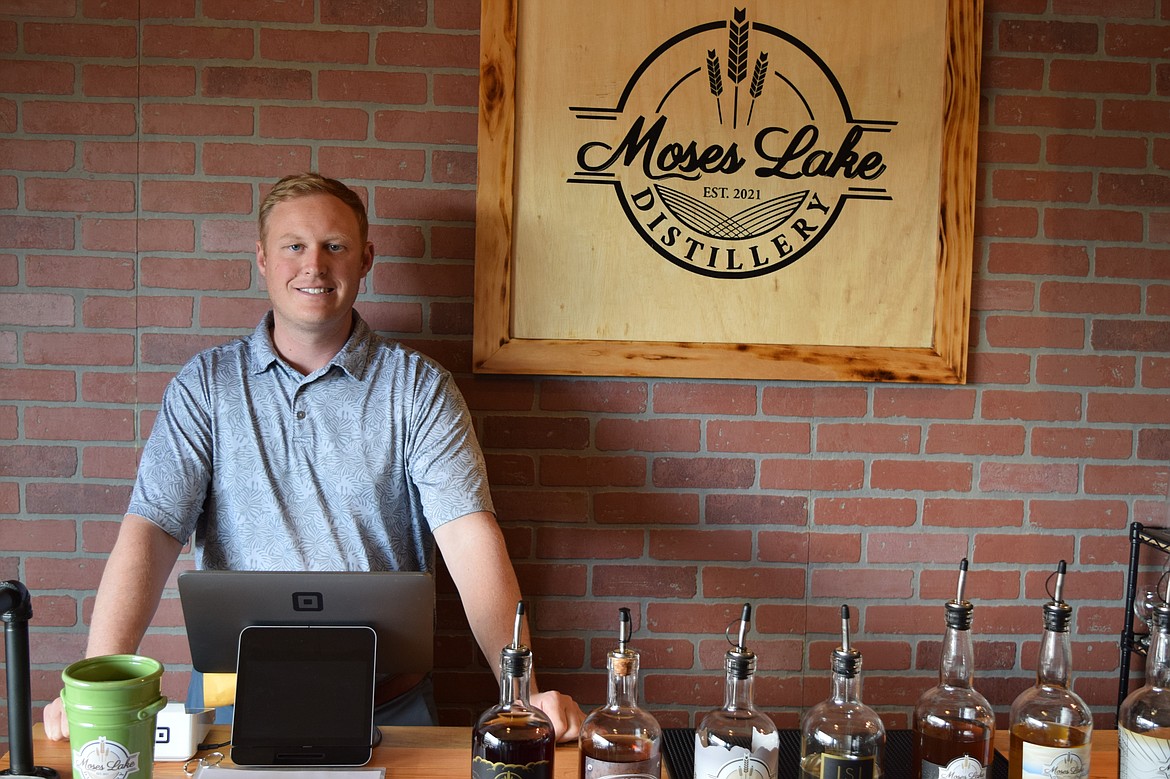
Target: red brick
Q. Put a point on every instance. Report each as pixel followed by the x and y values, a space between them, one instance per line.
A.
pixel 313 123
pixel 1103 550
pixel 1074 297
pixel 885 548
pixel 929 476
pixel 513 470
pixel 451 318
pixel 1137 40
pixel 1081 443
pixel 536 432
pixel 414 49
pixel 171 349
pixel 1097 151
pixel 399 241
pixel 1033 549
pixel 648 435
pixel 1035 332
pixel 25 384
pixel 406 13
pixel 81 41
pixel 431 279
pixel 1133 189
pixel 703 472
pixel 1131 263
pixel 452 89
pixel 26 309
pixel 257 83
pixel 348 163
pixel 848 582
pixel 26 154
pixel 166 81
pixel 36 78
pixel 601 396
pixel 236 237
pixel 78 349
pixel 72 195
pixel 109 462
pixel 815 402
pixel 1046 186
pixel 1137 115
pixel 37 461
pixel 109 81
pixel 731 509
pixel 1149 408
pixel 377 87
pixel 255 160
pixel 76 499
pixel 645 581
pixel 752 582
pixel 453 167
pixel 141 157
pixel 869 437
pixel 1127 479
pixel 1078 514
pixel 1028 477
pixel 812 475
pixel 723 399
pixel 1010 148
pixel 1130 335
pixel 175 273
pixel 314 45
pixel 1087 76
pixel 1086 370
pixel 437 127
pixel 543 506
pixel 1026 405
pixel 1007 221
pixel 240 313
pixel 767 437
pixel 994 295
pixel 81 424
pixel 924 402
pixel 975 439
pixel 804 547
pixel 556 470
pixel 646 508
pixel 212 120
pixel 1011 73
pixel 295 11
pixel 982 584
pixel 976 512
pixel 702 545
pixel 1155 372
pixel 1066 113
pixel 610 543
pixel 868 512
pixel 1091 225
pixel 200 197
pixel 1154 444
pixel 203 42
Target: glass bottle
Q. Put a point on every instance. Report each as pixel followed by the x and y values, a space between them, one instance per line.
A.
pixel 620 739
pixel 1143 721
pixel 1051 727
pixel 738 740
pixel 513 739
pixel 953 724
pixel 841 736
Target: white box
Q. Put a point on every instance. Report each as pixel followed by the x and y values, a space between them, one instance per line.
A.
pixel 178 732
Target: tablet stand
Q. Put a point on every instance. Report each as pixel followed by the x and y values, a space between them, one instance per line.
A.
pixel 16 611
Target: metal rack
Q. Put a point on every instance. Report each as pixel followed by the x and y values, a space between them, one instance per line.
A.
pixel 1131 643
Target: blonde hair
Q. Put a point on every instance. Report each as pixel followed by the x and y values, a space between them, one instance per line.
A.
pixel 304 184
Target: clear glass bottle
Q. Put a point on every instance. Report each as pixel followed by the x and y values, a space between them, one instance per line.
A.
pixel 738 740
pixel 513 739
pixel 953 724
pixel 841 736
pixel 620 739
pixel 1143 721
pixel 1051 727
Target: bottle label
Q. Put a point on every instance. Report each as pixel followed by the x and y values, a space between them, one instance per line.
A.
pixel 643 769
pixel 104 759
pixel 847 767
pixel 734 762
pixel 1055 762
pixel 965 767
pixel 486 769
pixel 1143 756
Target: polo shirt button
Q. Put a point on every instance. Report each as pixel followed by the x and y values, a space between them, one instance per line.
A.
pixel 300 415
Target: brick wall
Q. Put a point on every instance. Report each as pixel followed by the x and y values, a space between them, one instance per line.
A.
pixel 135 144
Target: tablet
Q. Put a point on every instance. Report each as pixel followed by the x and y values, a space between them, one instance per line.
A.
pixel 398 605
pixel 304 696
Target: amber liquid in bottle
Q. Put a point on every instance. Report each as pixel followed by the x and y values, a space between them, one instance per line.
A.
pixel 513 740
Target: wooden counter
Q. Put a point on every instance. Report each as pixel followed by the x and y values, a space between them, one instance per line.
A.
pixel 405 753
pixel 1102 760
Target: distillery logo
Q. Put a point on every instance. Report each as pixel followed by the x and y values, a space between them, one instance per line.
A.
pixel 733 149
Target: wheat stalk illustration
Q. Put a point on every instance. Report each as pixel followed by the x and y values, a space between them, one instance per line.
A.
pixel 737 54
pixel 715 79
pixel 759 75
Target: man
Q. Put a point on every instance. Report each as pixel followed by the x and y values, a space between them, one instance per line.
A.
pixel 312 444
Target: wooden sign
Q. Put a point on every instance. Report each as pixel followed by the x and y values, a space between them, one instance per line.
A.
pixel 727 189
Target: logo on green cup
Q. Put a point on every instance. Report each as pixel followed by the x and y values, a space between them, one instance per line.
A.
pixel 104 759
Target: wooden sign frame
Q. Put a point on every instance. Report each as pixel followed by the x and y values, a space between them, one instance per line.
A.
pixel 497 350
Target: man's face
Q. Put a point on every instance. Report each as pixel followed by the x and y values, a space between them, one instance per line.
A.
pixel 313 261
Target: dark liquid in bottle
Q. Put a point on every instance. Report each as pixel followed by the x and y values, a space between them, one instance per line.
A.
pixel 512 746
pixel 939 746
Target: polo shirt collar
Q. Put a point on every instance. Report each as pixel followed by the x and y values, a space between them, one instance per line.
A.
pixel 352 358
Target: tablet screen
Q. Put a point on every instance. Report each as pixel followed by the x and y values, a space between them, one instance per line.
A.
pixel 304 696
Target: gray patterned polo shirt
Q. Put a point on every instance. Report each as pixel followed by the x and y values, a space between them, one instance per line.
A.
pixel 348 468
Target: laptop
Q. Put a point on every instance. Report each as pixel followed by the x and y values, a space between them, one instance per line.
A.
pixel 304 696
pixel 398 606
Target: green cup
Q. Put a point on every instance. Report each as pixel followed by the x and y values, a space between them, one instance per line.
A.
pixel 110 704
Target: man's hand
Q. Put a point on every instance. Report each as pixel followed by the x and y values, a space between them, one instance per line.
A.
pixel 56 726
pixel 564 712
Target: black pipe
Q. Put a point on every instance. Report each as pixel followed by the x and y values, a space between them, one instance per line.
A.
pixel 16 611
